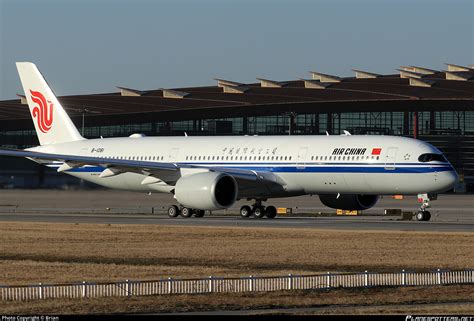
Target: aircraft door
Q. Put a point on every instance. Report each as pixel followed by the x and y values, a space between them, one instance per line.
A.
pixel 173 155
pixel 301 159
pixel 390 158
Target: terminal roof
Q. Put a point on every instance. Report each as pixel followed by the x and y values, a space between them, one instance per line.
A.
pixel 325 77
pixel 360 74
pixel 267 97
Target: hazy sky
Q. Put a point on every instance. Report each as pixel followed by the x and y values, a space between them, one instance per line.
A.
pixel 93 46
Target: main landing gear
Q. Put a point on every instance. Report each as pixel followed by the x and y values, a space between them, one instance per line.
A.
pixel 423 214
pixel 174 211
pixel 258 210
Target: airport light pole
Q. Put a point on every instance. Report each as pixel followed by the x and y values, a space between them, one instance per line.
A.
pixel 83 118
pixel 84 111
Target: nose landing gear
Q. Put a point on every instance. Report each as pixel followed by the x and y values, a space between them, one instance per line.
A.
pixel 424 199
pixel 423 216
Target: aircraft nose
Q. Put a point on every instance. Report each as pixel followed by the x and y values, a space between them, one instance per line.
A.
pixel 448 179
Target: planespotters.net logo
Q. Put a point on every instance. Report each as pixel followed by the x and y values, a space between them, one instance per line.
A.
pixel 438 318
pixel 43 112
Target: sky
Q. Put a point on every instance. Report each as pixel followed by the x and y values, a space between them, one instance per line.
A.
pixel 91 46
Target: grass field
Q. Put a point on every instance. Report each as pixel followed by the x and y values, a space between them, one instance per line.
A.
pixel 51 253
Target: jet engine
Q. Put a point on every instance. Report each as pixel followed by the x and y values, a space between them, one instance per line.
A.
pixel 206 191
pixel 349 201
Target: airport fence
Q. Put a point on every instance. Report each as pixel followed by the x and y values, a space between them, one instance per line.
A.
pixel 168 286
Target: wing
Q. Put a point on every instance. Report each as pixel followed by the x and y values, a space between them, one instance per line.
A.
pixel 168 172
pixel 74 161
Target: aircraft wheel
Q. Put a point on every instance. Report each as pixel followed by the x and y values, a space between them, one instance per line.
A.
pixel 423 216
pixel 173 211
pixel 427 216
pixel 271 212
pixel 245 211
pixel 199 213
pixel 258 211
pixel 420 216
pixel 186 212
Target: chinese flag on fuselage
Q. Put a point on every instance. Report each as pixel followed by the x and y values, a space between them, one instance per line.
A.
pixel 376 151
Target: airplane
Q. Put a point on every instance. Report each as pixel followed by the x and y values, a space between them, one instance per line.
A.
pixel 210 173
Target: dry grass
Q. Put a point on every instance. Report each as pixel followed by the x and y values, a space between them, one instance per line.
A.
pixel 42 252
pixel 376 300
pixel 52 253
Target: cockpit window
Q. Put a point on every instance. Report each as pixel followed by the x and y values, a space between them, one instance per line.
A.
pixel 429 157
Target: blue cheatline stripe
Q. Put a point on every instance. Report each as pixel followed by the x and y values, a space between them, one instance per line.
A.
pixel 267 164
pixel 313 169
pixel 88 169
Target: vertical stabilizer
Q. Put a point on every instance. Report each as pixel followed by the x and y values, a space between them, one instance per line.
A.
pixel 52 123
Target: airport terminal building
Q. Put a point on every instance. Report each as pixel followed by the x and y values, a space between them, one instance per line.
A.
pixel 431 105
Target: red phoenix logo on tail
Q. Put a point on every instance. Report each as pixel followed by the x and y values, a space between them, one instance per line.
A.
pixel 43 112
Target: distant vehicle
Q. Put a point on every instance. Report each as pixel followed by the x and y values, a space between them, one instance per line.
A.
pixel 211 173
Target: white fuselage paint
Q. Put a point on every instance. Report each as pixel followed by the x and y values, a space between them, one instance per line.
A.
pixel 303 164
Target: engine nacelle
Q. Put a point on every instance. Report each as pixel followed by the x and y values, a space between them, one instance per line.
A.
pixel 206 191
pixel 349 201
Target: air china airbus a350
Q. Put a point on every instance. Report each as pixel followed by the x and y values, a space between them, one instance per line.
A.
pixel 211 173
